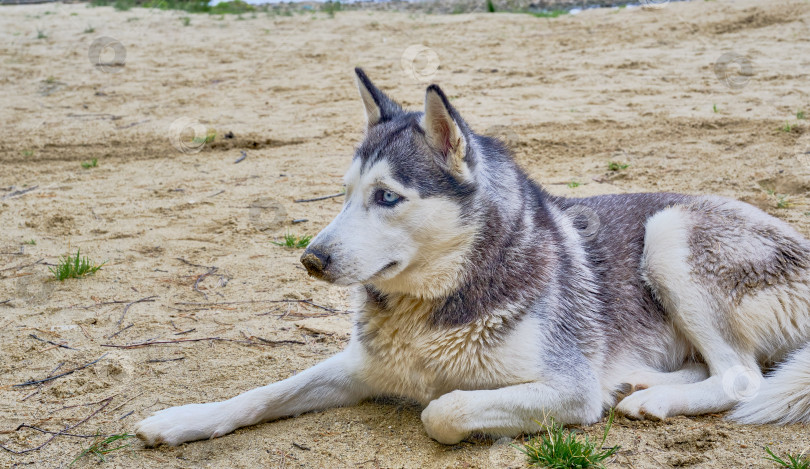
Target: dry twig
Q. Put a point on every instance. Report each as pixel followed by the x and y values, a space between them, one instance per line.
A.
pixel 248 341
pixel 61 432
pixel 20 267
pixel 149 299
pixel 51 378
pixel 307 301
pixel 52 343
pixel 19 192
pixel 201 277
pixel 164 360
pixel 119 331
pixel 320 198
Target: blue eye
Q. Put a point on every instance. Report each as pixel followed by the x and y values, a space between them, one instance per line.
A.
pixel 386 198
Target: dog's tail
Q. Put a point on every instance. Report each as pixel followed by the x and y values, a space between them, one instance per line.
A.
pixel 784 396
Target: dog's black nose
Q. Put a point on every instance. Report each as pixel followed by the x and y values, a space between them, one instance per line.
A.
pixel 316 261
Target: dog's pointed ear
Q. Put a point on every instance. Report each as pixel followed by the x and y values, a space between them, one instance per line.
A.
pixel 379 107
pixel 445 130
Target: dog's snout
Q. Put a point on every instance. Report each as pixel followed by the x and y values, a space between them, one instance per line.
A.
pixel 316 261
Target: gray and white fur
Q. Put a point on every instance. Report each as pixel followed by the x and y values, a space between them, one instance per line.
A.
pixel 497 305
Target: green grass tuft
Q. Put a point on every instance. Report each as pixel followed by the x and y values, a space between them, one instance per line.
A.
pixel 783 201
pixel 490 6
pixel 614 166
pixel 186 20
pixel 573 184
pixel 787 127
pixel 293 241
pixel 714 108
pixel 90 164
pixel 103 445
pixel 559 448
pixel 798 461
pixel 41 34
pixel 331 7
pixel 30 242
pixel 800 114
pixel 191 6
pixel 234 7
pixel 89 29
pixel 209 137
pixel 548 13
pixel 74 267
pixel 123 5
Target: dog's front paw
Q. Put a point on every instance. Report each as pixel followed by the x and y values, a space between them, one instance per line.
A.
pixel 445 418
pixel 654 403
pixel 190 422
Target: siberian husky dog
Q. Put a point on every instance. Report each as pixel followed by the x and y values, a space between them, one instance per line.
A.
pixel 497 305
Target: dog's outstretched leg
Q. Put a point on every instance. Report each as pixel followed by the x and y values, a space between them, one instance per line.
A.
pixel 331 383
pixel 508 411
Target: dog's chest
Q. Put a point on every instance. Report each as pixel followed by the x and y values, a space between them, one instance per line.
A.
pixel 410 357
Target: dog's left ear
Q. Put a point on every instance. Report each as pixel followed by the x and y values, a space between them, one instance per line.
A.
pixel 379 107
pixel 445 131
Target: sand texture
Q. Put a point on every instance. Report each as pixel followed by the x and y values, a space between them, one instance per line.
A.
pixel 692 96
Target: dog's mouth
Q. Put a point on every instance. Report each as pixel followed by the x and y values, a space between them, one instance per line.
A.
pixel 386 268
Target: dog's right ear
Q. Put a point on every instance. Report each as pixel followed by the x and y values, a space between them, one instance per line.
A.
pixel 379 107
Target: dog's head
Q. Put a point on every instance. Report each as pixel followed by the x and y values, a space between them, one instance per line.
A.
pixel 407 223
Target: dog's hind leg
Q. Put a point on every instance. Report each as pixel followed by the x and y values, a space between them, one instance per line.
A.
pixel 643 379
pixel 702 315
pixel 331 383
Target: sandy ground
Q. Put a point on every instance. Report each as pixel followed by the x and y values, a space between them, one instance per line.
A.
pixel 636 86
